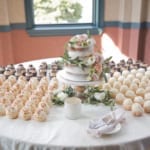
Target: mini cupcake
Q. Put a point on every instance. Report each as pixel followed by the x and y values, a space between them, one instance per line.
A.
pixel 139 99
pixel 127 104
pixel 12 112
pixel 140 92
pixel 146 106
pixel 147 96
pixel 12 79
pixel 2 70
pixel 137 109
pixel 119 98
pixel 42 105
pixel 130 94
pixel 25 113
pixel 2 110
pixel 40 115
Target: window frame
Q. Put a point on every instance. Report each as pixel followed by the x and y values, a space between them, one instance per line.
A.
pixel 65 29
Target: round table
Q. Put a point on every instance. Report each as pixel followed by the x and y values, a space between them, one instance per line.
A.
pixel 58 132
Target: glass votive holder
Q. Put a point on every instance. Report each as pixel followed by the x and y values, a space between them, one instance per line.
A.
pixel 72 108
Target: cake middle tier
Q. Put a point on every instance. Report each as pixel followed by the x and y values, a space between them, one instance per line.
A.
pixel 75 70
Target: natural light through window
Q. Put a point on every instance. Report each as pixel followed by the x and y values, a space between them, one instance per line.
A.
pixel 62 11
pixel 110 48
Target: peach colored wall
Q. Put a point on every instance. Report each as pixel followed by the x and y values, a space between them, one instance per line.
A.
pixel 12 11
pixel 131 42
pixel 124 39
pixel 17 46
pixel 127 10
pixel 6 48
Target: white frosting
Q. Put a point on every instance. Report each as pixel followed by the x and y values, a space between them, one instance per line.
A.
pixel 119 98
pixel 137 109
pixel 147 96
pixel 76 70
pixel 84 53
pixel 74 77
pixel 139 99
pixel 127 104
pixel 123 88
pixel 147 106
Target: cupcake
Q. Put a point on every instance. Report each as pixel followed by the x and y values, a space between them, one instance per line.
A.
pixel 140 92
pixel 119 98
pixel 127 104
pixel 123 89
pixel 47 99
pixel 130 94
pixel 2 110
pixel 147 96
pixel 139 99
pixel 42 105
pixel 40 115
pixel 25 113
pixel 146 106
pixel 137 109
pixel 11 112
pixel 2 70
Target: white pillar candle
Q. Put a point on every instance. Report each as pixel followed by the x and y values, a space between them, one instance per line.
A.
pixel 72 108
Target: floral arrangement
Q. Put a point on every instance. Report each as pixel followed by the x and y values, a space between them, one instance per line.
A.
pixel 60 95
pixel 80 42
pixel 91 95
pixel 94 95
pixel 97 66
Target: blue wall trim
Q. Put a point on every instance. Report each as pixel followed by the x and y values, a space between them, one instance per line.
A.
pixel 126 25
pixel 14 26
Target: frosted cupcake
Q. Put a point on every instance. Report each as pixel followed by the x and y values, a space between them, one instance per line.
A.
pixel 40 115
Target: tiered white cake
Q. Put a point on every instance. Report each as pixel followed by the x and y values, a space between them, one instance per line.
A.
pixel 81 63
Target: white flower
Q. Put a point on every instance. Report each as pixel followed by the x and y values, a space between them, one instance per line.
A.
pixel 99 96
pixel 91 60
pixel 55 91
pixel 62 96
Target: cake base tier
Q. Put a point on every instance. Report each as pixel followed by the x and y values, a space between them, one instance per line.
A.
pixel 63 77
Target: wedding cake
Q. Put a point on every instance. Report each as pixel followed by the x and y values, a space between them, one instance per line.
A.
pixel 81 62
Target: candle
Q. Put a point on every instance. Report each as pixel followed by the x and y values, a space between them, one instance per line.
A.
pixel 72 108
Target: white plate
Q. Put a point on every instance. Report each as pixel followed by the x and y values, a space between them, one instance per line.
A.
pixel 115 130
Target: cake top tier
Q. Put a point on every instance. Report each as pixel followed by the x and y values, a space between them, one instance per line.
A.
pixel 80 42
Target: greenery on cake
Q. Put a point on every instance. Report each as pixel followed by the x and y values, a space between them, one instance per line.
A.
pixel 97 67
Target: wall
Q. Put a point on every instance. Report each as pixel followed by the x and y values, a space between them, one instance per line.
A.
pixel 122 24
pixel 127 23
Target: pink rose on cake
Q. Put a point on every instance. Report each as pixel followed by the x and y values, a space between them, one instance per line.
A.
pixel 80 42
pixel 98 67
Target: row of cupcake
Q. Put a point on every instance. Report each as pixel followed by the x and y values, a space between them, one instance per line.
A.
pixel 131 89
pixel 44 69
pixel 25 100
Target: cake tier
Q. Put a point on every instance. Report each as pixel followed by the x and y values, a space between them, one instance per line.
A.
pixel 76 70
pixel 80 53
pixel 80 46
pixel 74 77
pixel 62 76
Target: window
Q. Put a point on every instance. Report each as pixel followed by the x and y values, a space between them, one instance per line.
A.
pixel 63 17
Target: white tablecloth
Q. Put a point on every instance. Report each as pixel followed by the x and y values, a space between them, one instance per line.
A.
pixel 59 133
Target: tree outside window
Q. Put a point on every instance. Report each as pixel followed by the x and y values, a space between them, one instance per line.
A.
pixel 61 11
